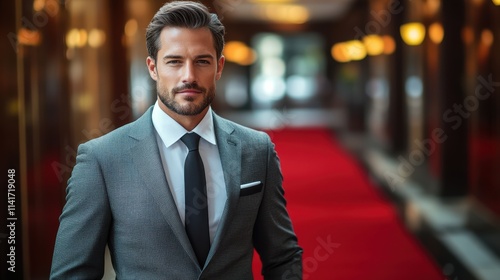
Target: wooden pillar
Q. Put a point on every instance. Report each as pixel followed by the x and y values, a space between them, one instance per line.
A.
pixel 454 173
pixel 397 126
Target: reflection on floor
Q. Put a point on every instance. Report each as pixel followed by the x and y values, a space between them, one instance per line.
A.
pixel 454 229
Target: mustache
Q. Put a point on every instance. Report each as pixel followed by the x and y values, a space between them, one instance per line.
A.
pixel 189 86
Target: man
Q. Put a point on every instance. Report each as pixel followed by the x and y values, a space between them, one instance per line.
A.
pixel 141 189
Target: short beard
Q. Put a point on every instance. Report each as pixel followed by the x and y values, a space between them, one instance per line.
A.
pixel 189 110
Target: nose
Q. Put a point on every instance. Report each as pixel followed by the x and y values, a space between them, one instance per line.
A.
pixel 189 75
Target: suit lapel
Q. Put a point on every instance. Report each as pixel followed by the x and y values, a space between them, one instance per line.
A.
pixel 230 154
pixel 148 163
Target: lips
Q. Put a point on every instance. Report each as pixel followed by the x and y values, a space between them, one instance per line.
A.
pixel 190 91
pixel 190 94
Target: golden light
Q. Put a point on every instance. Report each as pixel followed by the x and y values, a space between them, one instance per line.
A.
pixel 349 51
pixel 29 37
pixel 97 38
pixel 389 44
pixel 413 33
pixel 487 37
pixel 436 32
pixel 339 53
pixel 271 1
pixel 84 102
pixel 374 44
pixel 51 7
pixel 76 38
pixel 83 38
pixel 285 13
pixel 484 45
pixel 496 2
pixel 238 52
pixel 131 27
pixel 355 49
pixel 38 5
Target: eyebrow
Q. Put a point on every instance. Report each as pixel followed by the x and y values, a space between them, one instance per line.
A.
pixel 173 56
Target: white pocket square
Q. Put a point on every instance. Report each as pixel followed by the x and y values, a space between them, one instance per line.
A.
pixel 249 185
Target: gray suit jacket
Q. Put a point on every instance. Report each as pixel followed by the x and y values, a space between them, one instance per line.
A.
pixel 118 195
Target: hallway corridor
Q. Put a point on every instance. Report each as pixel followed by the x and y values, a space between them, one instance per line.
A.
pixel 385 115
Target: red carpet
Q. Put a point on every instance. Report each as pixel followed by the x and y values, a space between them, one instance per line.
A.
pixel 346 228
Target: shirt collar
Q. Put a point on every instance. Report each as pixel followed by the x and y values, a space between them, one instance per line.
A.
pixel 170 131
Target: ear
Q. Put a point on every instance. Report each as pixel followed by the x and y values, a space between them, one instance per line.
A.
pixel 220 66
pixel 150 62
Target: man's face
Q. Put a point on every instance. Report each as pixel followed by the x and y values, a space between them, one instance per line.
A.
pixel 185 70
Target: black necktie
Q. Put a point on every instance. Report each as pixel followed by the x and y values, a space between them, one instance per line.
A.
pixel 196 218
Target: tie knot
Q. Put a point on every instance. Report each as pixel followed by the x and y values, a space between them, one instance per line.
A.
pixel 191 140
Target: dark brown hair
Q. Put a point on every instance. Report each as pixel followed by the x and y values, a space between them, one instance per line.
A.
pixel 183 14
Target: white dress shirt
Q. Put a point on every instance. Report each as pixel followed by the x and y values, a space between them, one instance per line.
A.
pixel 173 154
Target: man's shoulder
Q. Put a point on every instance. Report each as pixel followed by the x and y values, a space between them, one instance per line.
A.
pixel 119 135
pixel 242 132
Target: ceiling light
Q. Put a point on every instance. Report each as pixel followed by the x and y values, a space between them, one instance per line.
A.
pixel 413 33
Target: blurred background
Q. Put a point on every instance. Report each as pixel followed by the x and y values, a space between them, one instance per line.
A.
pixel 409 87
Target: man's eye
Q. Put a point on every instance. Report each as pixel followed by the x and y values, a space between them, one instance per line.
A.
pixel 203 61
pixel 173 62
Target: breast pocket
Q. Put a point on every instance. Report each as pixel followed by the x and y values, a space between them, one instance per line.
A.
pixel 249 201
pixel 251 188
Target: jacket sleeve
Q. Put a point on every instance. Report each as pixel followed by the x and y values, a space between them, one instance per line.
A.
pixel 274 238
pixel 84 222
